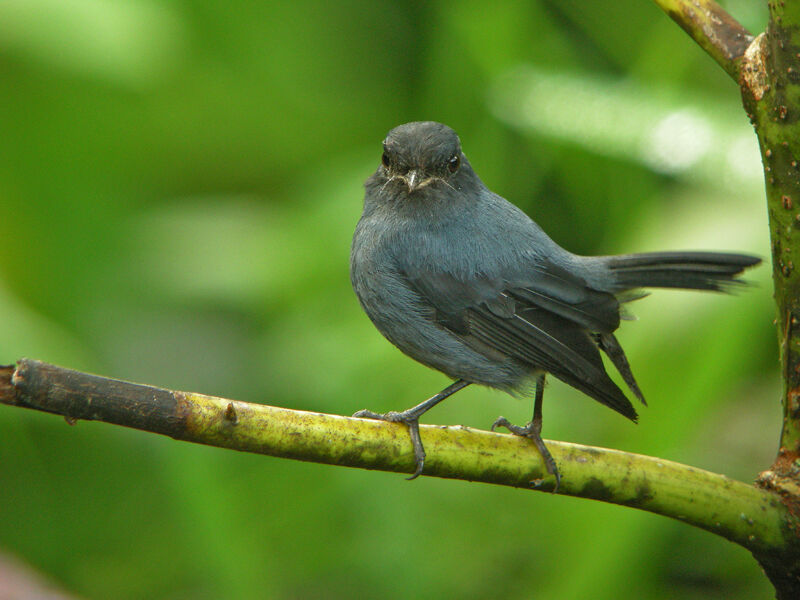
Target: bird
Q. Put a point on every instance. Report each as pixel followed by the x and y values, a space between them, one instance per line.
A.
pixel 463 281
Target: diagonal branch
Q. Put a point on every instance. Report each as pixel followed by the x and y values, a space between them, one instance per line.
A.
pixel 719 34
pixel 749 516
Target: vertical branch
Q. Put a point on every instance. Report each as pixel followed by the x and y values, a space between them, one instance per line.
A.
pixel 771 96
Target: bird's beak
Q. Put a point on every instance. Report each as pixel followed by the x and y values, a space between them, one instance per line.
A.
pixel 413 179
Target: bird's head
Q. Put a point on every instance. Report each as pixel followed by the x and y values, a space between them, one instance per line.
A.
pixel 420 154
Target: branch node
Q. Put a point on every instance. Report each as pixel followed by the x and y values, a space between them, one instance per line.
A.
pixel 753 68
pixel 230 414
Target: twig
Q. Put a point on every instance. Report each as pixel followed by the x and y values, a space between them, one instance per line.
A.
pixel 719 34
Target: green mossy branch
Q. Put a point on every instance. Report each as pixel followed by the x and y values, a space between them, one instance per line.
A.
pixel 744 514
pixel 771 95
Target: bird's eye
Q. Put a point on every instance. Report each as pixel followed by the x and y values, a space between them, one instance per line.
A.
pixel 385 160
pixel 454 163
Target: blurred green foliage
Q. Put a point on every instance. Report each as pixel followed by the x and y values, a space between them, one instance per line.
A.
pixel 179 182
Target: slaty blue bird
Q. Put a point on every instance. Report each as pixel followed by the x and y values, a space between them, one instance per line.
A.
pixel 463 281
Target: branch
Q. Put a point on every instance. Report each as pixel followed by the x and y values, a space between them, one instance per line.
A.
pixel 719 34
pixel 749 516
pixel 770 92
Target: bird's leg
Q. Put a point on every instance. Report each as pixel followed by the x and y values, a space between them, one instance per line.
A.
pixel 533 431
pixel 411 418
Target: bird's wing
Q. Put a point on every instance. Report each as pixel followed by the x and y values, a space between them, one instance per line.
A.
pixel 544 317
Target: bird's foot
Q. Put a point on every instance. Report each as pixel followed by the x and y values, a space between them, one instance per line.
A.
pixel 411 419
pixel 533 431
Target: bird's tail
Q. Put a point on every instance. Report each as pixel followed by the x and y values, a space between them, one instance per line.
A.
pixel 715 271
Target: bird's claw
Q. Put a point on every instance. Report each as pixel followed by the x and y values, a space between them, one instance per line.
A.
pixel 368 414
pixel 411 420
pixel 500 422
pixel 533 431
pixel 526 431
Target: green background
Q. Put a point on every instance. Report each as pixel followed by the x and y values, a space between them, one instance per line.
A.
pixel 179 182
